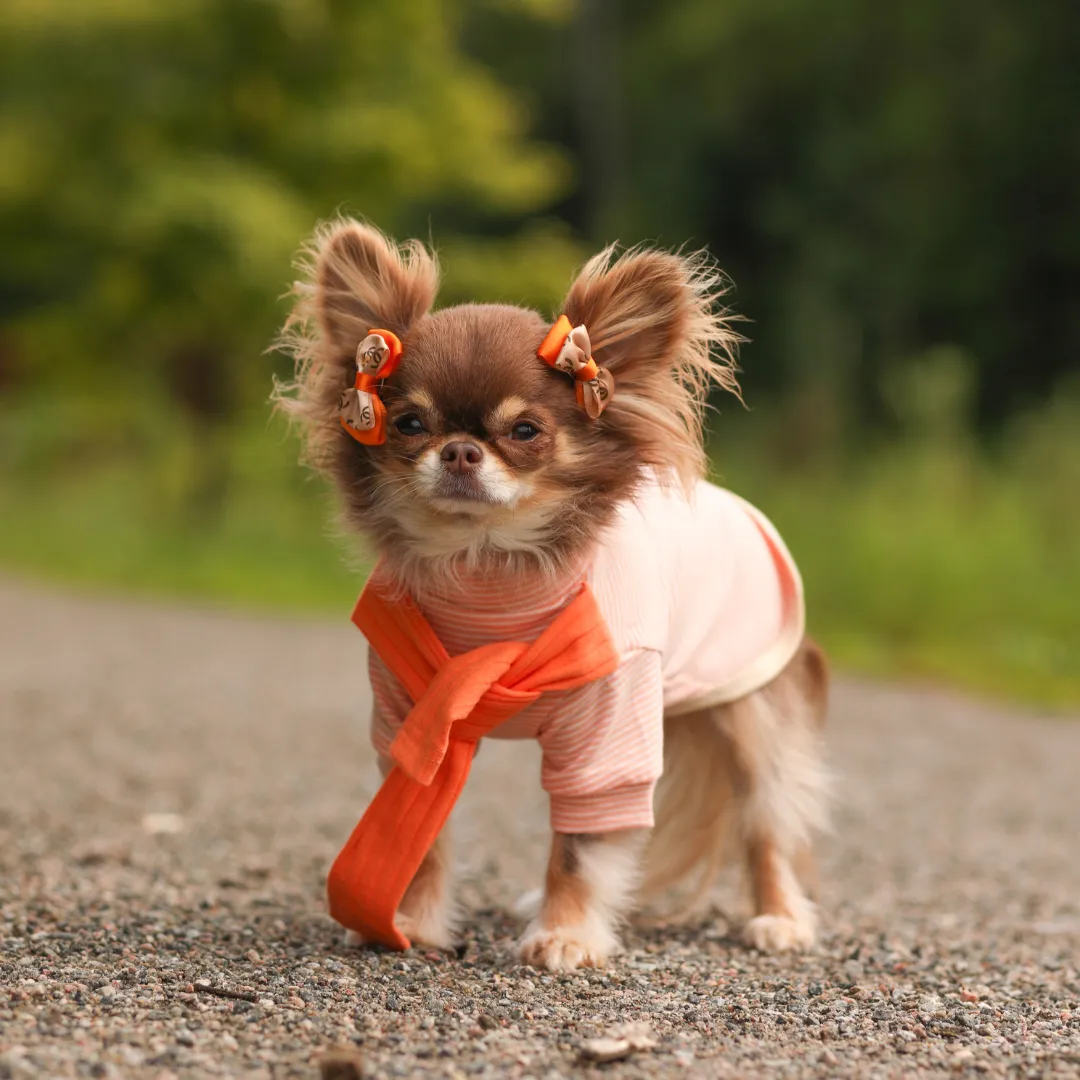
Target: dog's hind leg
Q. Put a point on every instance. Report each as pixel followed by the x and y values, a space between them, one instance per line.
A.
pixel 748 775
pixel 780 781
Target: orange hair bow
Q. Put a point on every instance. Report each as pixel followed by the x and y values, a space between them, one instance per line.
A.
pixel 567 348
pixel 363 415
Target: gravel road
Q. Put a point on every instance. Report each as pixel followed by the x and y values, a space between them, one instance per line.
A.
pixel 174 783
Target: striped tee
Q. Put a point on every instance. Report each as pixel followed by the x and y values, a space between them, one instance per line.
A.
pixel 704 605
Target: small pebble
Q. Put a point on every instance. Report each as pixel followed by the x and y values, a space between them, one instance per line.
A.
pixel 602 1050
pixel 163 824
pixel 342 1063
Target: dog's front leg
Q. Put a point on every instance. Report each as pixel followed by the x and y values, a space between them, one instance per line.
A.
pixel 590 882
pixel 427 915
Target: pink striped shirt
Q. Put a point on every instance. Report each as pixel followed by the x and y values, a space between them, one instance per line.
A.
pixel 704 605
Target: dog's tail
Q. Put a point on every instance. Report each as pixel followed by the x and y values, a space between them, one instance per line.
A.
pixel 733 769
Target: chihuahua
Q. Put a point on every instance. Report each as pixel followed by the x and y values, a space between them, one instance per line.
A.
pixel 499 464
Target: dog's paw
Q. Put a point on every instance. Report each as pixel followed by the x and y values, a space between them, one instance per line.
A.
pixel 433 929
pixel 779 933
pixel 429 926
pixel 564 948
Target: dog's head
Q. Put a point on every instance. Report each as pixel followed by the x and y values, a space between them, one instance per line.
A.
pixel 489 460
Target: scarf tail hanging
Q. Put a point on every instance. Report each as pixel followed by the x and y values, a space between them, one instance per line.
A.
pixel 374 869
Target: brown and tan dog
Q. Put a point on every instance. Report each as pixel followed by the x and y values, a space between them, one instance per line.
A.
pixel 492 469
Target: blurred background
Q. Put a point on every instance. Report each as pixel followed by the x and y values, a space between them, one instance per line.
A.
pixel 892 188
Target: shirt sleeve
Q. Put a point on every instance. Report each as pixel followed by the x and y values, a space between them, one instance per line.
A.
pixel 603 749
pixel 391 704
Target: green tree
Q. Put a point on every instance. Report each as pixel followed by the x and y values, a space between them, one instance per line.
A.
pixel 880 180
pixel 883 179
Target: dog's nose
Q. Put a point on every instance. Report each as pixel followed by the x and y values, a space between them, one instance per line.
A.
pixel 462 457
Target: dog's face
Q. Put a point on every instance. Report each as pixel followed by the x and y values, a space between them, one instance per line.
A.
pixel 489 461
pixel 487 450
pixel 476 426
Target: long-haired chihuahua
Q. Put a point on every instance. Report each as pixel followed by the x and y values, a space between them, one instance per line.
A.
pixel 507 469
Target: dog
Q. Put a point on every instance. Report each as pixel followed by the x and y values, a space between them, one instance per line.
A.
pixel 496 462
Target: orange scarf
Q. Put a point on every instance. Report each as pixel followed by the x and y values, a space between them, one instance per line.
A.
pixel 458 700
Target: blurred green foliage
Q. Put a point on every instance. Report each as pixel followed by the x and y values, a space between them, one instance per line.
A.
pixel 161 163
pixel 892 187
pixel 924 557
pixel 878 179
pixel 928 555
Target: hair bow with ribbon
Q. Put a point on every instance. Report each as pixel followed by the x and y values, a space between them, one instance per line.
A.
pixel 567 348
pixel 363 415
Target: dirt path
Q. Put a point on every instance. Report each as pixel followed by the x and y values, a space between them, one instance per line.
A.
pixel 951 897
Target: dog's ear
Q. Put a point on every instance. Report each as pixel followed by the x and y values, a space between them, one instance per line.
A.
pixel 655 321
pixel 356 280
pixel 363 280
pixel 648 312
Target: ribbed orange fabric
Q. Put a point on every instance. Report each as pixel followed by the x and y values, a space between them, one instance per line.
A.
pixel 458 700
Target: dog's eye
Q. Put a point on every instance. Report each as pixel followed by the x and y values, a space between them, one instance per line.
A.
pixel 409 424
pixel 524 431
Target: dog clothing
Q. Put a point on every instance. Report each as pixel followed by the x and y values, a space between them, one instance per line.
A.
pixel 697 602
pixel 704 604
pixel 458 700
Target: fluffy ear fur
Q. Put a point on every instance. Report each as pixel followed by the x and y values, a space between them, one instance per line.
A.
pixel 654 320
pixel 355 278
pixel 364 280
